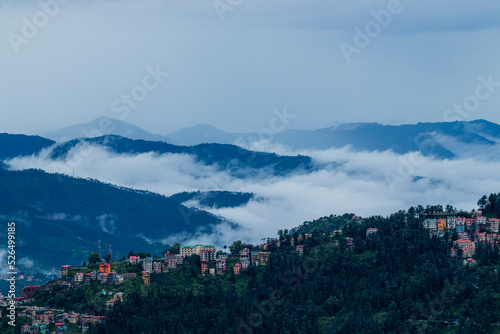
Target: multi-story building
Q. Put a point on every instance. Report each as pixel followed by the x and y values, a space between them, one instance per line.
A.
pixel 208 254
pixel 104 268
pixel 146 278
pixel 470 224
pixel 129 275
pixel 48 317
pixel 237 269
pixel 147 264
pixel 64 270
pixel 244 254
pixel 480 236
pixel 467 246
pixel 157 267
pixel 441 224
pixel 179 259
pixel 371 231
pixel 469 262
pixel 222 255
pixel 172 263
pixel 27 291
pixel 204 268
pixel 263 258
pixel 451 222
pixel 134 260
pixel 245 264
pixel 118 279
pixel 79 277
pixel 186 251
pixel 463 236
pixel 430 224
pixel 300 249
pixel 104 278
pixel 254 257
pixel 220 266
pixel 460 226
pixel 481 223
pixel 493 224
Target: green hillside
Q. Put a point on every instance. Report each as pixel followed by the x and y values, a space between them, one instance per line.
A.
pixel 61 219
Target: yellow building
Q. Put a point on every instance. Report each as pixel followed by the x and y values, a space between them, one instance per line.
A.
pixel 441 222
pixel 263 257
pixel 146 278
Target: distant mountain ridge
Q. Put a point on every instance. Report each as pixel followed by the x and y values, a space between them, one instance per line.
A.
pixel 445 140
pixel 233 159
pixel 12 145
pixel 100 127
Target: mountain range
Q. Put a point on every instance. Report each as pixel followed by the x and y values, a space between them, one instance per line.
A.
pixel 56 212
pixel 100 127
pixel 445 140
pixel 74 213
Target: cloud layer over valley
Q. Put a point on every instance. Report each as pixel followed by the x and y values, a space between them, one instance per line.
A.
pixel 365 183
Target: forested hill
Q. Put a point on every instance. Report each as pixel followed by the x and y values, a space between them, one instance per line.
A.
pixel 231 158
pixel 399 279
pixel 12 146
pixel 56 212
pixel 214 199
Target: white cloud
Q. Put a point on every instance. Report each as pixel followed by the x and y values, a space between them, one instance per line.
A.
pixel 26 262
pixel 107 222
pixel 365 183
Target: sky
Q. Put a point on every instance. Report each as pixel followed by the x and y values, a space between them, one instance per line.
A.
pixel 169 64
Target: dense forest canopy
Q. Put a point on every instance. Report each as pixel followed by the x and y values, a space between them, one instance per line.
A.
pixel 399 279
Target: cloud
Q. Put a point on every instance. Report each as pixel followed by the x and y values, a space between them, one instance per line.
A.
pixel 26 262
pixel 107 222
pixel 365 183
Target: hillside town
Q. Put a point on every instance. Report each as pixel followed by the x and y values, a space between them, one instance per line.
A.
pixel 462 233
pixel 212 262
pixel 465 233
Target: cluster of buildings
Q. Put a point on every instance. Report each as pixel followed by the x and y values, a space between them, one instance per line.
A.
pixel 212 262
pixel 470 231
pixel 149 265
pixel 41 318
pixel 104 275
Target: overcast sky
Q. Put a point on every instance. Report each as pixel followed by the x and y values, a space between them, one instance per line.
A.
pixel 231 62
